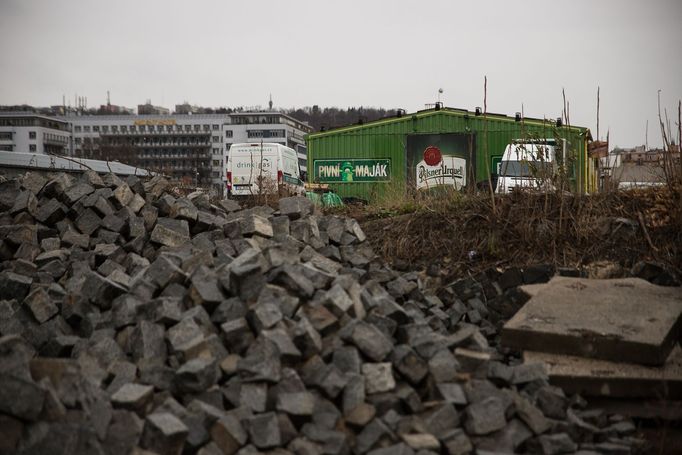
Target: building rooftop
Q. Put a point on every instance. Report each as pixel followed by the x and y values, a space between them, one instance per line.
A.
pixel 124 117
pixel 402 115
pixel 23 114
pixel 58 163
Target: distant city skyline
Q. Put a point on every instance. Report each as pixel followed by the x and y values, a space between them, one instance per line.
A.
pixel 389 54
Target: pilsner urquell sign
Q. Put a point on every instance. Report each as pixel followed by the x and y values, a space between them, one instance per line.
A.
pixel 349 171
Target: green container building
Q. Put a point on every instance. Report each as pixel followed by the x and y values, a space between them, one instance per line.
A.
pixel 368 160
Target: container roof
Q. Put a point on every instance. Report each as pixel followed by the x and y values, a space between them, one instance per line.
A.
pixel 438 111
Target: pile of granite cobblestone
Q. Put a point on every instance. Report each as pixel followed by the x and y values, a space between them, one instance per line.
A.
pixel 136 321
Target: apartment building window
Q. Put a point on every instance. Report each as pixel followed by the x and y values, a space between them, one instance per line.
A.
pixel 114 128
pixel 266 133
pixel 95 128
pixel 86 129
pixel 215 127
pixel 169 128
pixel 77 140
pixel 216 138
pixel 228 133
pixel 32 147
pixel 216 163
pixel 31 134
pixel 216 175
pixel 77 129
pixel 188 127
pixel 105 128
pixel 207 127
pixel 124 128
pixel 197 127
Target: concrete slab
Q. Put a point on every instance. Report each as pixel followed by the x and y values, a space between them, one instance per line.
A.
pixel 602 378
pixel 642 408
pixel 533 289
pixel 625 320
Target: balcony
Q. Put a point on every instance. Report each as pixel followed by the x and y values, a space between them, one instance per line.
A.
pixel 171 158
pixel 61 141
pixel 155 133
pixel 171 144
pixel 144 145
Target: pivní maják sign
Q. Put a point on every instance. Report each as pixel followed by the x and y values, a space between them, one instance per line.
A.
pixel 349 171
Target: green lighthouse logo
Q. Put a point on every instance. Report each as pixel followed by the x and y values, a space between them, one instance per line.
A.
pixel 347 172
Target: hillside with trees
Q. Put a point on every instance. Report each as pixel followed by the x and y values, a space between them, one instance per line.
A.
pixel 332 117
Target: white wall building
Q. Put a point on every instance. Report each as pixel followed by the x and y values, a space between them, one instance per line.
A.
pixel 192 148
pixel 270 127
pixel 33 133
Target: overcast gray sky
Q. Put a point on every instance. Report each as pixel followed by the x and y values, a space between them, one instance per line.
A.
pixel 348 53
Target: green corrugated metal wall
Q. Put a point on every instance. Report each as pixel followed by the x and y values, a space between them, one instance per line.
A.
pixel 387 139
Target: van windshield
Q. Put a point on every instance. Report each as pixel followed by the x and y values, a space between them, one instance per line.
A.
pixel 525 168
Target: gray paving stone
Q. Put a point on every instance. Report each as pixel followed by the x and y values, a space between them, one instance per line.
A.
pixel 41 305
pixel 485 416
pixel 170 232
pixel 228 434
pixel 134 397
pixel 164 433
pixel 378 377
pixel 296 403
pixel 371 341
pixel 556 443
pixel 264 430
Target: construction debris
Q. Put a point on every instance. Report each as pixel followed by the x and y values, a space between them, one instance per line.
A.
pixel 176 326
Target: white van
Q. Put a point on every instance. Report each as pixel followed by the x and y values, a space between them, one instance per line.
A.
pixel 263 168
pixel 529 164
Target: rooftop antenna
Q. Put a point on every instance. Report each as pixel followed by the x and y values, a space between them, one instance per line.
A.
pixel 440 92
pixel 270 102
pixel 108 99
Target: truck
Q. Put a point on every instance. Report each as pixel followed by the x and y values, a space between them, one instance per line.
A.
pixel 530 164
pixel 263 168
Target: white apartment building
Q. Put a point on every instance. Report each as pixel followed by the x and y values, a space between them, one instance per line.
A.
pixel 33 133
pixel 270 127
pixel 190 147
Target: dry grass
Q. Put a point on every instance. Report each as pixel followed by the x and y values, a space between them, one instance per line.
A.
pixel 525 228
